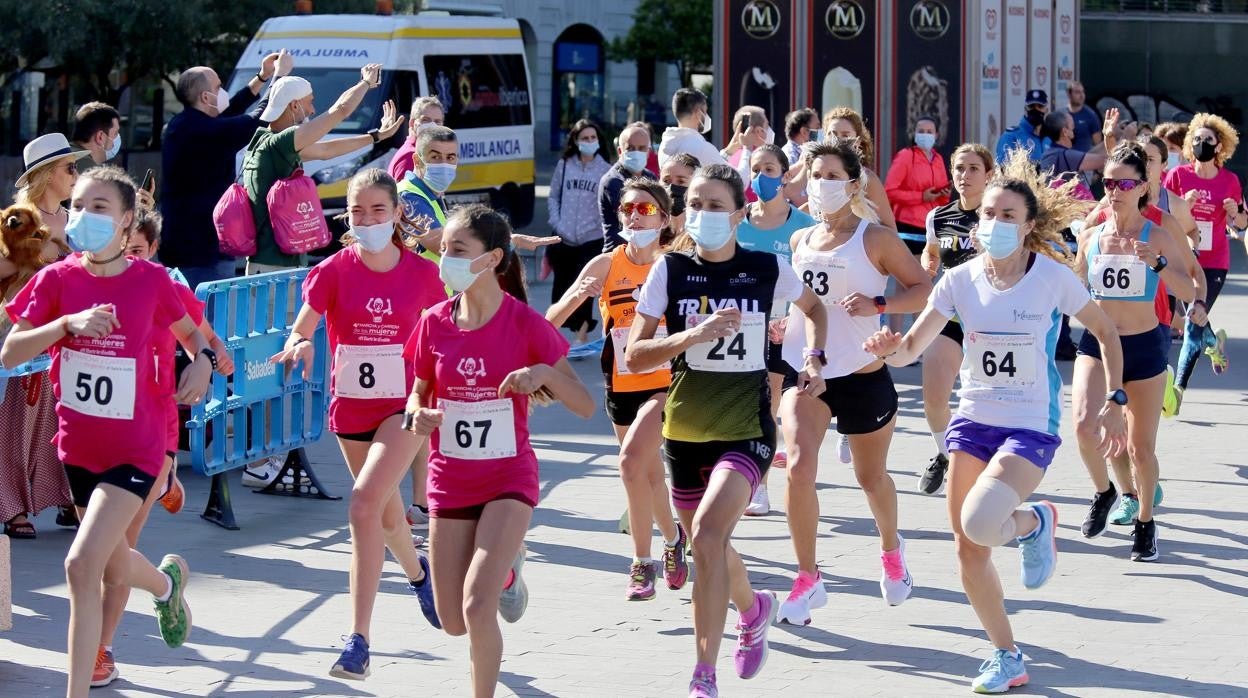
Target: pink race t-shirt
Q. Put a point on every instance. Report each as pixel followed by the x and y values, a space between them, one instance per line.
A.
pixel 165 348
pixel 369 316
pixel 110 409
pixel 1207 209
pixel 402 162
pixel 481 452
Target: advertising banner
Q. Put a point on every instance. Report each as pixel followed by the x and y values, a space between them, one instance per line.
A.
pixel 929 51
pixel 990 72
pixel 759 41
pixel 843 38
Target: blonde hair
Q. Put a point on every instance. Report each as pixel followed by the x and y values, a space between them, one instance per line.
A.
pixel 37 185
pixel 848 151
pixel 1050 208
pixel 1226 134
pixel 978 149
pixel 866 147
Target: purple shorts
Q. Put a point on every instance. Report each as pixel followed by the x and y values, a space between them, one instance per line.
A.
pixel 983 441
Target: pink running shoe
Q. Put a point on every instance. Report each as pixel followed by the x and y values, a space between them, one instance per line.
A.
pixel 781 460
pixel 676 561
pixel 895 581
pixel 808 593
pixel 751 652
pixel 703 686
pixel 641 581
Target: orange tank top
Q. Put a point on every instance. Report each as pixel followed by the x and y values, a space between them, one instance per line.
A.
pixel 618 307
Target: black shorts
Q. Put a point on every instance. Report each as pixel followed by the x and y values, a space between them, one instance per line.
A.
pixel 82 482
pixel 1144 355
pixel 953 330
pixel 622 408
pixel 775 359
pixel 861 403
pixel 365 436
pixel 692 463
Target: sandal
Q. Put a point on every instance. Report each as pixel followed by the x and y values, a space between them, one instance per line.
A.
pixel 67 517
pixel 19 529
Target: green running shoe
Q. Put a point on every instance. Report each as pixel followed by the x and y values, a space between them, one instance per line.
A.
pixel 174 616
pixel 1128 508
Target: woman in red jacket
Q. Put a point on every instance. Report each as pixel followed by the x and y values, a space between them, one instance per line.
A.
pixel 917 182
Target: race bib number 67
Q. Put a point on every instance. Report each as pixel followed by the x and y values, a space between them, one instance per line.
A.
pixel 99 386
pixel 482 430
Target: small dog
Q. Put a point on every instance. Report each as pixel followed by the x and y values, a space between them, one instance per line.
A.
pixel 23 237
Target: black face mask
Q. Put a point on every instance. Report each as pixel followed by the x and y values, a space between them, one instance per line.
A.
pixel 1203 151
pixel 1035 117
pixel 678 198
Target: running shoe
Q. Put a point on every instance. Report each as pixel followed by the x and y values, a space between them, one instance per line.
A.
pixel 781 460
pixel 515 596
pixel 1128 507
pixel 424 594
pixel 1102 503
pixel 1039 548
pixel 173 615
pixel 1171 397
pixel 353 662
pixel 842 449
pixel 67 517
pixel 105 671
pixel 641 580
pixel 998 674
pixel 417 519
pixel 175 495
pixel 751 652
pixel 1215 349
pixel 675 561
pixel 1144 549
pixel 808 594
pixel 263 474
pixel 1158 495
pixel 895 581
pixel 703 686
pixel 760 503
pixel 934 474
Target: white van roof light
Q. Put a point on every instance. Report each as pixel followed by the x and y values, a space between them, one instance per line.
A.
pixel 452 7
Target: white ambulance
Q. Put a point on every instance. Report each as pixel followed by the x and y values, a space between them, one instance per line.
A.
pixel 474 65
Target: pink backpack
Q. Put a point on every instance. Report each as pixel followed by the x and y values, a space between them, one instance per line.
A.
pixel 295 212
pixel 235 224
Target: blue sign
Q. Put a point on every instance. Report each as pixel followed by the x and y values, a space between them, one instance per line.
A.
pixel 39 364
pixel 577 58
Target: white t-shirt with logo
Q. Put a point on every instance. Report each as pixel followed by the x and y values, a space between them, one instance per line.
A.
pixel 1009 375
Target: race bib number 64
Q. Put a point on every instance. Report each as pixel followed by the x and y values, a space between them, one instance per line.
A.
pixel 1001 359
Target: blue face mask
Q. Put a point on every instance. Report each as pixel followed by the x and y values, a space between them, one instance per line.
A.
pixel 816 135
pixel 766 187
pixel 926 141
pixel 587 148
pixel 634 160
pixel 113 149
pixel 439 176
pixel 1173 160
pixel 89 232
pixel 711 230
pixel 998 238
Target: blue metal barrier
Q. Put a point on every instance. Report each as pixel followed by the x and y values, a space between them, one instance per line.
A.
pixel 38 364
pixel 259 411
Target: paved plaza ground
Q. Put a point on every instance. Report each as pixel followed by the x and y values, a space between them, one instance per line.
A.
pixel 271 606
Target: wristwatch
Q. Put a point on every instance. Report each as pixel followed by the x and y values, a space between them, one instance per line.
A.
pixel 1118 397
pixel 881 304
pixel 260 77
pixel 377 139
pixel 212 357
pixel 818 354
pixel 1161 263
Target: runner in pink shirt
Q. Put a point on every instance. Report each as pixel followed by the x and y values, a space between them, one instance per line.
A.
pixel 97 315
pixel 479 359
pixel 371 295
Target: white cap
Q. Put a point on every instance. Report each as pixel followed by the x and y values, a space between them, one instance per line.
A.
pixel 284 91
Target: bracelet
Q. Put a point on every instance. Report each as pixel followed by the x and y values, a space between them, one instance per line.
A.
pixel 1201 304
pixel 299 341
pixel 260 77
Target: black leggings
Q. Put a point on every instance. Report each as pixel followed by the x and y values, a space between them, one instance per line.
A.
pixel 566 263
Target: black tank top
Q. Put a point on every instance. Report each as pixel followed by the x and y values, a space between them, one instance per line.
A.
pixel 952 226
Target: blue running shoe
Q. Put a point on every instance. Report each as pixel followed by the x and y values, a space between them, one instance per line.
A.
pixel 1005 670
pixel 1157 494
pixel 424 593
pixel 353 662
pixel 1039 548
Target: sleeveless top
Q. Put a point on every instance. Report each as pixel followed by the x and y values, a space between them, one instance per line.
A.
pixel 1120 277
pixel 618 307
pixel 832 275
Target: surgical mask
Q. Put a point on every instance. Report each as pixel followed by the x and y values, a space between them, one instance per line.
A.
pixel 926 141
pixel 223 100
pixel 89 232
pixel 816 135
pixel 998 238
pixel 678 197
pixel 1173 160
pixel 113 149
pixel 770 136
pixel 711 230
pixel 634 160
pixel 705 125
pixel 1203 151
pixel 829 195
pixel 439 176
pixel 641 237
pixel 373 238
pixel 424 125
pixel 766 187
pixel 587 148
pixel 306 116
pixel 457 273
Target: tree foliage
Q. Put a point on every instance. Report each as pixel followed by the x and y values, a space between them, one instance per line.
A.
pixel 669 31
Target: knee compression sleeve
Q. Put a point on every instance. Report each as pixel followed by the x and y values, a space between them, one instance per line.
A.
pixel 988 512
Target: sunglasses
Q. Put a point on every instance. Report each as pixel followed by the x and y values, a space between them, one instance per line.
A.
pixel 644 208
pixel 1123 184
pixel 71 168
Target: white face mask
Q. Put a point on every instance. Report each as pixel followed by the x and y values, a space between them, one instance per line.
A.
pixel 373 238
pixel 457 272
pixel 705 125
pixel 640 237
pixel 770 137
pixel 829 195
pixel 223 100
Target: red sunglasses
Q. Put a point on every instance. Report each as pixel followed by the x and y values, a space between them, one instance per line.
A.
pixel 644 208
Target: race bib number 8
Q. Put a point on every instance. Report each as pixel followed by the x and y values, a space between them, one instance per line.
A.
pixel 1001 360
pixel 99 386
pixel 1206 236
pixel 1118 276
pixel 369 372
pixel 619 342
pixel 477 430
pixel 737 353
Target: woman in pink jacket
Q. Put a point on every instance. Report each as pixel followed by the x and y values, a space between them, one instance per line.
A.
pixel 917 182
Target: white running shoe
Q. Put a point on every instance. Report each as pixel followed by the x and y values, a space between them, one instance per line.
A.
pixel 417 520
pixel 808 593
pixel 895 581
pixel 842 449
pixel 760 504
pixel 263 474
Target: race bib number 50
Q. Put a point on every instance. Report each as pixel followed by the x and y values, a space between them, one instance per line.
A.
pixel 99 386
pixel 739 352
pixel 1001 360
pixel 477 430
pixel 369 372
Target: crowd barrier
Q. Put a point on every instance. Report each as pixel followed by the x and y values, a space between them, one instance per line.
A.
pixel 36 365
pixel 260 411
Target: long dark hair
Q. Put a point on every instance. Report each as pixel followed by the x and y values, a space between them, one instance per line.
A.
pixel 1133 155
pixel 571 149
pixel 493 230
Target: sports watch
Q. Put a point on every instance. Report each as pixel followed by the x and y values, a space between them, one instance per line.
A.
pixel 1118 397
pixel 212 357
pixel 1161 263
pixel 818 354
pixel 881 304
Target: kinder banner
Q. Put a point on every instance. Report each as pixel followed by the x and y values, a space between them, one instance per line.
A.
pixel 1064 55
pixel 843 38
pixel 1040 48
pixel 758 49
pixel 1014 43
pixel 990 72
pixel 929 54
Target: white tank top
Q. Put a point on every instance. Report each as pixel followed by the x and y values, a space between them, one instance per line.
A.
pixel 832 275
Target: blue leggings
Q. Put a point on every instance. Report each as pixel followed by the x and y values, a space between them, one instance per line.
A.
pixel 1195 336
